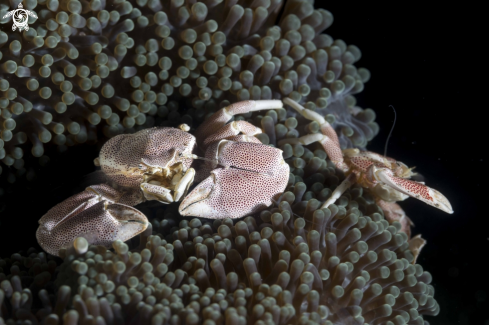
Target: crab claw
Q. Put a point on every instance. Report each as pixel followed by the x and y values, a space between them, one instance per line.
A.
pixel 253 175
pixel 197 202
pixel 231 193
pixel 414 189
pixel 88 215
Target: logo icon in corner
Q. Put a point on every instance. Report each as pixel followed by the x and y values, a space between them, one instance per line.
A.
pixel 19 17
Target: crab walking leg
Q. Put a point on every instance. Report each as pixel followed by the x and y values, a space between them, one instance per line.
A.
pixel 394 212
pixel 413 189
pixel 222 116
pixel 415 245
pixel 339 190
pixel 334 152
pixel 329 141
pixel 230 130
pixel 244 138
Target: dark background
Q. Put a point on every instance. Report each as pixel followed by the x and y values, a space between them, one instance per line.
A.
pixel 431 65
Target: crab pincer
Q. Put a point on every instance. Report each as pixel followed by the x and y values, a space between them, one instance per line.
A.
pixel 251 176
pixel 243 175
pixel 91 214
pixel 414 189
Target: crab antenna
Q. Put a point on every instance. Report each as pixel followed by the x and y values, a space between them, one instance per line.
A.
pixel 197 157
pixel 390 133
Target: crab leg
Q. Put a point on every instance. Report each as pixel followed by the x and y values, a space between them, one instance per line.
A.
pixel 222 116
pixel 414 189
pixel 339 190
pixel 328 138
pixel 100 214
pixel 252 176
pixel 231 130
pixel 415 245
pixel 394 212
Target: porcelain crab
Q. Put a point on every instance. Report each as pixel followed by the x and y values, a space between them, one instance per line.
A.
pixel 240 176
pixel 387 178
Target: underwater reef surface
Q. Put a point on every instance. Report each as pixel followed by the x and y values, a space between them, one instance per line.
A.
pixel 86 71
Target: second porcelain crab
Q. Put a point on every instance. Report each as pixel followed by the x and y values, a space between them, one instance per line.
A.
pixel 387 178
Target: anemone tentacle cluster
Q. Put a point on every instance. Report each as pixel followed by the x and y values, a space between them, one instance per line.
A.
pixel 295 264
pixel 89 69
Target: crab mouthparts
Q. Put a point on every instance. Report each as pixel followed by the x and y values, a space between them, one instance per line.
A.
pixel 165 177
pixel 167 185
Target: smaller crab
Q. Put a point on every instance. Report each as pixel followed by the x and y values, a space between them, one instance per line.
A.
pixel 387 178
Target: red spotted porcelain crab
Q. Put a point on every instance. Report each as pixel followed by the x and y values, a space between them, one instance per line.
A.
pixel 240 176
pixel 386 177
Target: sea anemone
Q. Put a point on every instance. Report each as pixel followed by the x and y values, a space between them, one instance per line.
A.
pixel 295 263
pixel 84 70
